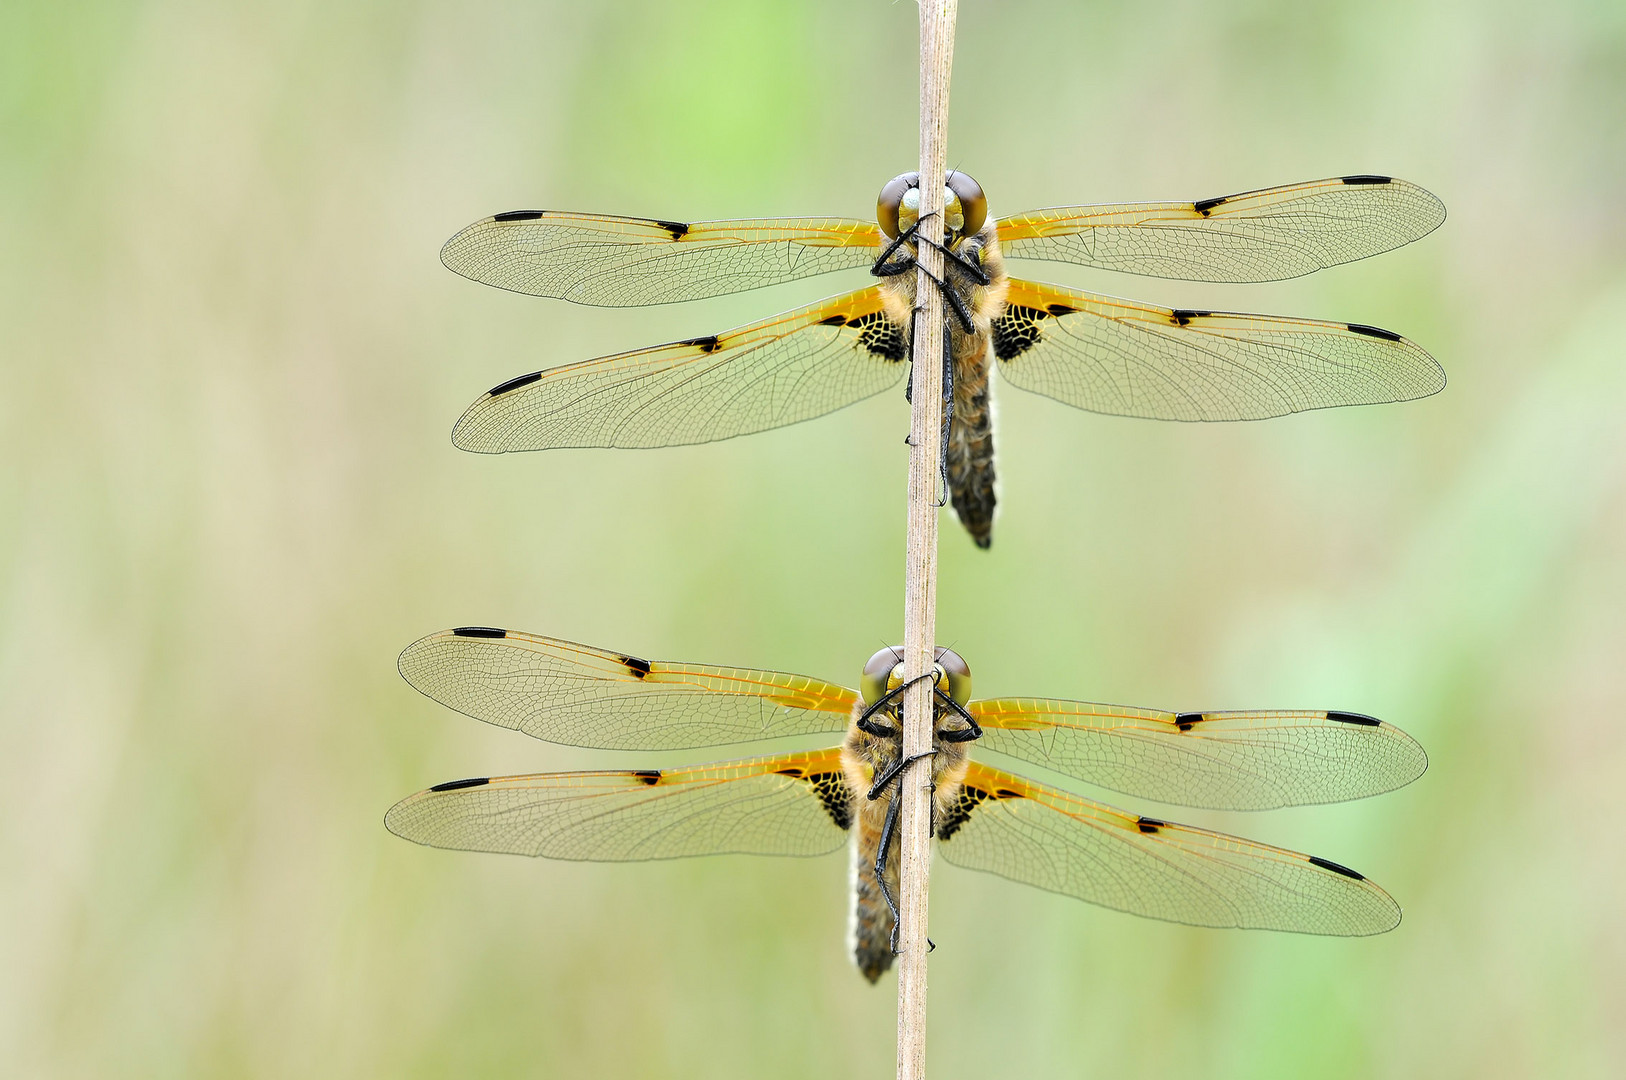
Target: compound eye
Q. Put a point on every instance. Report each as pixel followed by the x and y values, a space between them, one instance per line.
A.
pixel 886 207
pixel 973 204
pixel 881 674
pixel 957 672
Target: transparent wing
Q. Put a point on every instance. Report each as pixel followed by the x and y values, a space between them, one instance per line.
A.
pixel 1131 359
pixel 783 370
pixel 1266 235
pixel 1040 836
pixel 577 695
pixel 1217 760
pixel 789 804
pixel 626 262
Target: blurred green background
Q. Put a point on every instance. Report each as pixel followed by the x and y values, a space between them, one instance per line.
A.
pixel 232 361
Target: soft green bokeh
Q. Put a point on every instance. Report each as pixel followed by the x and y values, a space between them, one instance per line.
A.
pixel 232 360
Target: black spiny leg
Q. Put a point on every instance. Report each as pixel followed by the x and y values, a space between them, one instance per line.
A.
pixel 884 267
pixel 889 829
pixel 948 413
pixel 972 731
pixel 953 259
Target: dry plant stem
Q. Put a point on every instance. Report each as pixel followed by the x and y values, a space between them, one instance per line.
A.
pixel 920 581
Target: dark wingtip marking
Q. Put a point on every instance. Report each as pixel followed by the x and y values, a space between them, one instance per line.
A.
pixel 1185 315
pixel 638 667
pixel 1149 825
pixel 709 343
pixel 1060 309
pixel 1188 720
pixel 834 320
pixel 480 631
pixel 649 776
pixel 676 228
pixel 453 785
pixel 1203 206
pixel 1374 331
pixel 1328 864
pixel 1360 719
pixel 514 384
pixel 519 215
pixel 1368 179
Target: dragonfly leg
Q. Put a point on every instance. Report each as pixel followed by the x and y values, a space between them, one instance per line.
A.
pixel 948 414
pixel 866 722
pixel 889 829
pixel 884 266
pixel 890 773
pixel 972 731
pixel 955 304
pixel 969 267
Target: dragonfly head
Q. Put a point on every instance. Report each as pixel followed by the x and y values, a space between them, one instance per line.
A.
pixel 965 208
pixel 884 672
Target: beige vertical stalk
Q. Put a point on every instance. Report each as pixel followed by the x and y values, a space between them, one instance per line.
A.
pixel 920 575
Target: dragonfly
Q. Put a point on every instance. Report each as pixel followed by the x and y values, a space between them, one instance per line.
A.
pixel 1095 352
pixel 814 802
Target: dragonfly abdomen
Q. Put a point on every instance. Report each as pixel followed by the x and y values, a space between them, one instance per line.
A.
pixel 871 931
pixel 971 440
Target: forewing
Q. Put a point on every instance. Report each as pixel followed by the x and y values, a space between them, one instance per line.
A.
pixel 1218 760
pixel 789 804
pixel 1040 836
pixel 1131 359
pixel 1263 235
pixel 625 262
pixel 581 696
pixel 783 370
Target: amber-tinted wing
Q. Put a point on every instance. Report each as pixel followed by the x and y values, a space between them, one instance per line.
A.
pixel 625 262
pixel 789 804
pixel 1132 359
pixel 1218 760
pixel 783 370
pixel 1264 235
pixel 581 696
pixel 1040 836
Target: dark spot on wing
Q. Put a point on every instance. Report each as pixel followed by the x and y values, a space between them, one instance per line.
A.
pixel 638 667
pixel 1185 315
pixel 1007 793
pixel 648 776
pixel 834 320
pixel 676 228
pixel 514 384
pixel 1354 718
pixel 834 796
pixel 709 343
pixel 480 631
pixel 1188 720
pixel 1328 864
pixel 519 215
pixel 790 771
pixel 959 811
pixel 453 785
pixel 1017 331
pixel 1150 826
pixel 1203 206
pixel 880 336
pixel 1374 331
pixel 1060 309
pixel 1368 179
